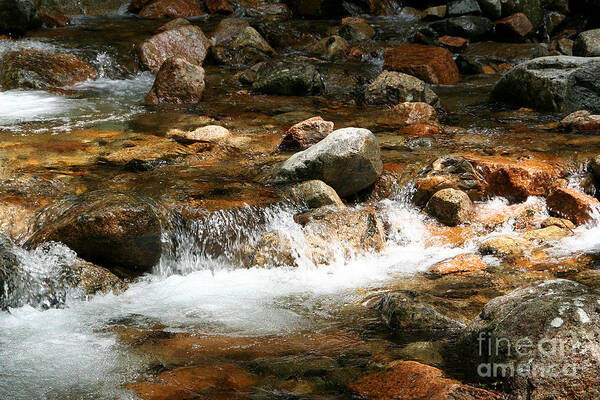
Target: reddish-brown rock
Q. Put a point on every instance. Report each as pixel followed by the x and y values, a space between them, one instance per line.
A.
pixel 459 264
pixel 414 113
pixel 419 130
pixel 514 27
pixel 306 133
pixel 582 121
pixel 172 8
pixel 430 63
pixel 572 204
pixel 52 19
pixel 136 5
pixel 509 177
pixel 177 82
pixel 187 42
pixel 454 43
pixel 218 7
pixel 410 380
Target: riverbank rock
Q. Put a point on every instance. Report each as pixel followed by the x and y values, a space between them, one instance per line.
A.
pixel 558 83
pixel 391 88
pixel 539 341
pixel 450 206
pixel 587 44
pixel 430 63
pixel 573 205
pixel 16 16
pixel 177 82
pixel 187 42
pixel 172 8
pixel 347 160
pixel 315 194
pixel 581 121
pixel 306 133
pixel 42 70
pixel 288 78
pixel 117 231
pixel 410 380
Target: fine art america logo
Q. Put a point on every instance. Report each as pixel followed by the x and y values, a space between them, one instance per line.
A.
pixel 529 358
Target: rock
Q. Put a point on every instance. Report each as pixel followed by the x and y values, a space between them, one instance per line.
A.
pixel 430 63
pixel 589 278
pixel 565 46
pixel 174 24
pixel 471 27
pixel 552 20
pixel 449 172
pixel 450 206
pixel 146 154
pixel 331 48
pixel 279 10
pixel 587 44
pixel 186 42
pixel 463 7
pixel 228 29
pixel 117 231
pixel 16 16
pixel 419 130
pixel 391 88
pixel 503 246
pixel 595 168
pixel 42 70
pixel 52 19
pixel 515 27
pixel 552 232
pixel 172 8
pixel 572 204
pixel 558 83
pixel 177 82
pixel 453 43
pixel 560 222
pixel 531 8
pixel 538 341
pixel 347 160
pixel 240 45
pixel 410 380
pixel 272 251
pixel 288 78
pixel 407 317
pixel 315 194
pixel 315 9
pixel 581 121
pixel 410 113
pixel 218 6
pixel 306 133
pixel 491 8
pixel 356 30
pixel 512 178
pixel 459 264
pixel 135 6
pixel 482 55
pixel 83 7
pixel 205 134
pixel 433 13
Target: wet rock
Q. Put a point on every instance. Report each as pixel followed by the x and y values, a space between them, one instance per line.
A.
pixel 515 27
pixel 410 380
pixel 479 57
pixel 177 82
pixel 462 263
pixel 559 83
pixel 531 8
pixel 272 251
pixel 468 26
pixel 117 231
pixel 174 24
pixel 572 204
pixel 589 278
pixel 503 246
pixel 433 13
pixel 595 168
pixel 172 8
pixel 430 63
pixel 449 172
pixel 552 232
pixel 450 206
pixel 228 29
pixel 408 317
pixel 52 19
pixel 315 194
pixel 288 78
pixel 347 160
pixel 463 7
pixel 508 177
pixel 315 9
pixel 419 130
pixel 330 48
pixel 82 7
pixel 205 134
pixel 356 30
pixel 453 43
pixel 552 20
pixel 540 340
pixel 409 113
pixel 560 222
pixel 581 121
pixel 136 6
pixel 279 10
pixel 240 45
pixel 42 70
pixel 391 88
pixel 587 44
pixel 186 42
pixel 218 6
pixel 491 8
pixel 306 133
pixel 16 16
pixel 565 46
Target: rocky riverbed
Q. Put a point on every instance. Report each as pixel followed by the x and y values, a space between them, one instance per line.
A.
pixel 235 199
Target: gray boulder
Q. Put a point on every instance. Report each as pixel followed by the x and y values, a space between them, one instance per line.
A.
pixel 391 88
pixel 450 206
pixel 288 78
pixel 315 194
pixel 348 160
pixel 558 83
pixel 587 44
pixel 16 16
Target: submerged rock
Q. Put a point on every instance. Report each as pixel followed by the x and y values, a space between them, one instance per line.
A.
pixel 288 78
pixel 430 63
pixel 307 133
pixel 177 82
pixel 391 88
pixel 42 70
pixel 573 205
pixel 587 44
pixel 347 160
pixel 315 194
pixel 450 206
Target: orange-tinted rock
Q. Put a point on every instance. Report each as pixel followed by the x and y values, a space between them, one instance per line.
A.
pixel 410 380
pixel 414 113
pixel 177 82
pixel 454 43
pixel 419 130
pixel 572 204
pixel 306 133
pixel 459 264
pixel 514 27
pixel 354 54
pixel 218 6
pixel 582 121
pixel 172 8
pixel 509 177
pixel 52 19
pixel 430 63
pixel 187 42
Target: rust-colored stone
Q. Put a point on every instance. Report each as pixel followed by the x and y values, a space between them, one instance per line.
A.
pixel 572 204
pixel 52 19
pixel 218 7
pixel 306 133
pixel 459 264
pixel 430 63
pixel 177 82
pixel 414 113
pixel 514 27
pixel 454 43
pixel 172 8
pixel 419 130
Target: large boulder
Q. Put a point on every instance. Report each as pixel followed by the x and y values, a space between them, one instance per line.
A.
pixel 391 88
pixel 587 44
pixel 177 82
pixel 539 341
pixel 347 160
pixel 16 16
pixel 187 42
pixel 117 231
pixel 42 70
pixel 432 64
pixel 288 78
pixel 558 83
